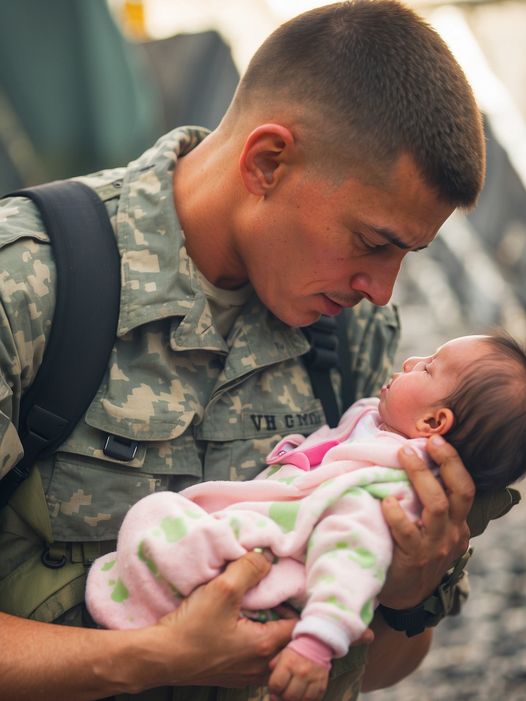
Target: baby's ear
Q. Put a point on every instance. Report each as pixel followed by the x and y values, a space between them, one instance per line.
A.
pixel 439 420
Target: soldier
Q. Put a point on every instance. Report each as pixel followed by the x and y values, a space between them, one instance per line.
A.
pixel 351 138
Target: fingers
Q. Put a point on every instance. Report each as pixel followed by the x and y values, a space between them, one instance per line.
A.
pixel 435 502
pixel 366 638
pixel 457 480
pixel 284 685
pixel 243 574
pixel 295 690
pixel 278 634
pixel 296 678
pixel 446 501
pixel 426 548
pixel 428 488
pixel 287 612
pixel 279 679
pixel 402 530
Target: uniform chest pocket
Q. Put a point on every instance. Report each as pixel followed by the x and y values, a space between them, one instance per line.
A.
pixel 89 491
pixel 239 435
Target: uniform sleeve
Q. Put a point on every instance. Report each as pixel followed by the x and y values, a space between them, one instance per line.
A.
pixel 27 298
pixel 11 450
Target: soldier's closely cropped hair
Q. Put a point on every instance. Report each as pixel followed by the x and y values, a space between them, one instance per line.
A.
pixel 374 80
pixel 490 415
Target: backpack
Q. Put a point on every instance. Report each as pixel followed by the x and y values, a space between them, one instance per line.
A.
pixel 84 321
pixel 85 324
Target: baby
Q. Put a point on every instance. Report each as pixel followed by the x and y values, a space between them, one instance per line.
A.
pixel 317 508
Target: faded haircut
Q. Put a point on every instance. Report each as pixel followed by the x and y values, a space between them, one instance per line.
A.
pixel 379 82
pixel 489 405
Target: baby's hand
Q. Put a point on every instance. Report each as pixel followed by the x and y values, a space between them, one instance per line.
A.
pixel 295 678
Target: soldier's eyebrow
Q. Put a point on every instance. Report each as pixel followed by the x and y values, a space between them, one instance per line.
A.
pixel 393 238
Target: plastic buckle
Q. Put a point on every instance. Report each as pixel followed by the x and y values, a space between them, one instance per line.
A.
pixel 120 448
pixel 53 560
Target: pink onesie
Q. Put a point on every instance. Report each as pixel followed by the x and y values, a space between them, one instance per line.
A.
pixel 316 507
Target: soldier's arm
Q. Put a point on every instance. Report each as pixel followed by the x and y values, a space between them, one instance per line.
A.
pixel 203 642
pixel 392 656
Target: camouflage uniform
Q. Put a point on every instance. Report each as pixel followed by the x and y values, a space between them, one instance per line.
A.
pixel 198 406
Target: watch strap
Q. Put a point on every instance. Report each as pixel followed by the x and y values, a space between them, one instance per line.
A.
pixel 445 600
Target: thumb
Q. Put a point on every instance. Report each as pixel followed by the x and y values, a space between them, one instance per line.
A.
pixel 279 632
pixel 243 574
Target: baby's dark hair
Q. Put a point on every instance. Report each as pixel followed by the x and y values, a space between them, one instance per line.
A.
pixel 489 405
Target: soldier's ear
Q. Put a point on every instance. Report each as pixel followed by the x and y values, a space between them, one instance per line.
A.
pixel 438 420
pixel 265 158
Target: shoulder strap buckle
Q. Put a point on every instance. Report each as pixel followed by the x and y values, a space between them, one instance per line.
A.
pixel 120 448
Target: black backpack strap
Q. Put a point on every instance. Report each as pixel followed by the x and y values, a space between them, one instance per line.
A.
pixel 330 349
pixel 348 389
pixel 319 360
pixel 84 322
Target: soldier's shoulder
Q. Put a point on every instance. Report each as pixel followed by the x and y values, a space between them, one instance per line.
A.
pixel 26 260
pixel 106 183
pixel 20 219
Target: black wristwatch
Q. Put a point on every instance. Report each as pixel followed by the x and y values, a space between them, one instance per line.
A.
pixel 444 601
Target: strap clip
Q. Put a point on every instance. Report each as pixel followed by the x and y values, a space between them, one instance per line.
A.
pixel 120 448
pixel 446 600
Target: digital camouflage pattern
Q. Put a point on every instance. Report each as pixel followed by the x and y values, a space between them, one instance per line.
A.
pixel 199 406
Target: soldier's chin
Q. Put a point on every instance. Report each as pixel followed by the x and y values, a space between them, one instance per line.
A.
pixel 299 319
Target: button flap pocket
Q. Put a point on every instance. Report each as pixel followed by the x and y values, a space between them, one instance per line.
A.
pixel 141 419
pixel 89 441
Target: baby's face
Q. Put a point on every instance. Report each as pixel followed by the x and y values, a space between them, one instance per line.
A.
pixel 424 383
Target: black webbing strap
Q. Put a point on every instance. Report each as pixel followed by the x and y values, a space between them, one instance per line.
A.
pixel 322 356
pixel 348 389
pixel 329 349
pixel 84 322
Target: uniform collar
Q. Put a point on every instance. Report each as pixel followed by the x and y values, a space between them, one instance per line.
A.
pixel 160 280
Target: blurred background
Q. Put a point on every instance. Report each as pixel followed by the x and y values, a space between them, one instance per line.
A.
pixel 90 84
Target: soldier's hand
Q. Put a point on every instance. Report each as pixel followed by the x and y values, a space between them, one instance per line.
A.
pixel 424 551
pixel 207 641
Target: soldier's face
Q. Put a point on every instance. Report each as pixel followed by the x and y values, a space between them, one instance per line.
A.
pixel 315 247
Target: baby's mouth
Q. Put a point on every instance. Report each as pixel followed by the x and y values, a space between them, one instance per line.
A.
pixel 389 384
